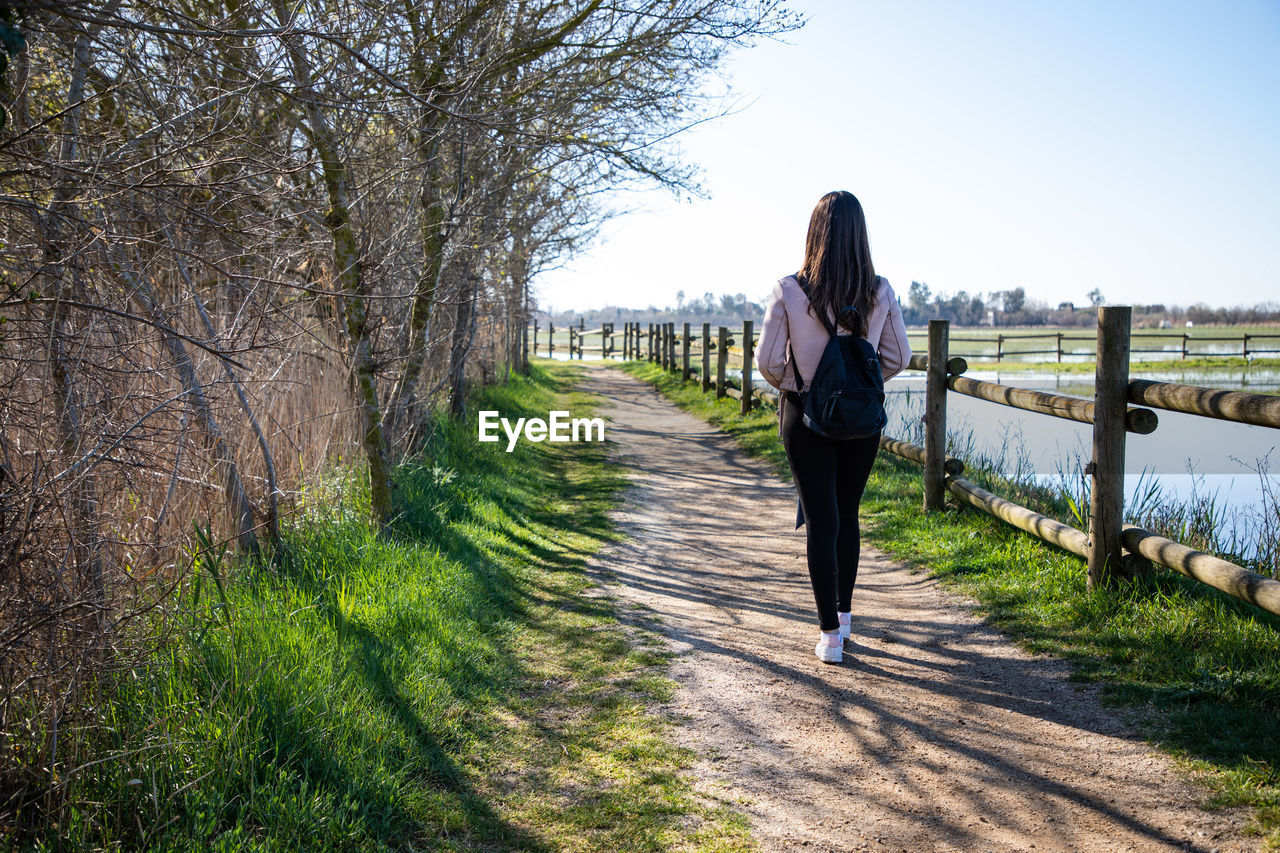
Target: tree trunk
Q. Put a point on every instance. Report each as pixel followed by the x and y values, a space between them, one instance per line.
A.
pixel 432 240
pixel 238 506
pixel 272 521
pixel 85 535
pixel 464 330
pixel 346 259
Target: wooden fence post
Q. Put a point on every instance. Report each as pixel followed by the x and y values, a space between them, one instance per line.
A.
pixel 722 354
pixel 1184 344
pixel 551 339
pixel 706 357
pixel 648 352
pixel 1106 500
pixel 572 332
pixel 935 416
pixel 1059 347
pixel 671 346
pixel 662 345
pixel 685 372
pixel 748 350
pixel 535 338
pixel 999 345
pixel 1244 346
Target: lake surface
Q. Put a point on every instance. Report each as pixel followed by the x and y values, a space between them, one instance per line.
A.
pixel 1208 445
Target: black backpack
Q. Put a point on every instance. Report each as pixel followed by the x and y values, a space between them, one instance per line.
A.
pixel 846 398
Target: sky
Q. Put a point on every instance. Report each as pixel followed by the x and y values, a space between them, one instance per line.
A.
pixel 1127 145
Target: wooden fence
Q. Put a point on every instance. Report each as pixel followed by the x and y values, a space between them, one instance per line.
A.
pixel 675 349
pixel 1112 548
pixel 1020 344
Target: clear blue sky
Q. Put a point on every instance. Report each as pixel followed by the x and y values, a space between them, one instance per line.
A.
pixel 1132 146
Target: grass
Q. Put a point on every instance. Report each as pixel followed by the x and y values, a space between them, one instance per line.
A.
pixel 1198 670
pixel 456 685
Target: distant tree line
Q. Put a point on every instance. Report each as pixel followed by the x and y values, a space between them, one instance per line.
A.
pixel 996 308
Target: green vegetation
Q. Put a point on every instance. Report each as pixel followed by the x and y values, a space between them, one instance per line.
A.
pixel 454 685
pixel 1200 670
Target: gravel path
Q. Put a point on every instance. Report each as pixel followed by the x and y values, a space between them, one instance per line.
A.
pixel 936 733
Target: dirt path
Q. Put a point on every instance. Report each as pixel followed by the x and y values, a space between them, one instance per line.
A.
pixel 935 733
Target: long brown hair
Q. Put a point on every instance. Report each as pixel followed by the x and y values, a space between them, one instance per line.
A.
pixel 837 270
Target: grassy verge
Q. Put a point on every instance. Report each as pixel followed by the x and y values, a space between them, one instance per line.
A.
pixel 453 686
pixel 1199 670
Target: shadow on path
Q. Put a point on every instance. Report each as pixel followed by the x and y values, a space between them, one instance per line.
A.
pixel 935 734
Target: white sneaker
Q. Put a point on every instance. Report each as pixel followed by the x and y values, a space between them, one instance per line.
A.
pixel 846 623
pixel 830 648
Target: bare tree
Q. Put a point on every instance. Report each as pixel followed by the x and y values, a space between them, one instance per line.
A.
pixel 241 238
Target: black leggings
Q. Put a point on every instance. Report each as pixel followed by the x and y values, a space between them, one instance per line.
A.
pixel 830 476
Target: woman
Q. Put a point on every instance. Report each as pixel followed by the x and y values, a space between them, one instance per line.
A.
pixel 830 474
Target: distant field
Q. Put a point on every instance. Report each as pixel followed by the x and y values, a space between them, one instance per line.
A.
pixel 1041 343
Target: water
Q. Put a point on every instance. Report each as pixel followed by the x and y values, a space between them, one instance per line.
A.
pixel 1186 457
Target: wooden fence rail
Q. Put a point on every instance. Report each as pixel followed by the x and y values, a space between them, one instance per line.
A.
pixel 1112 548
pixel 1177 343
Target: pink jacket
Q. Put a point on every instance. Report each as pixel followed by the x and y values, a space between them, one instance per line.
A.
pixel 788 318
